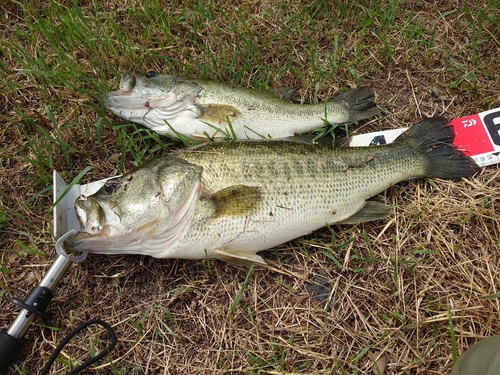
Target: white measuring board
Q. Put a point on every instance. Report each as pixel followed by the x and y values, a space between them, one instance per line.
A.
pixel 478 136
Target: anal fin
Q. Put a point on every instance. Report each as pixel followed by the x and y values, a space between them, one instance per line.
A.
pixel 239 257
pixel 372 210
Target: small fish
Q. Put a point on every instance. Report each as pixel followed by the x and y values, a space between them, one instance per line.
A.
pixel 229 200
pixel 206 109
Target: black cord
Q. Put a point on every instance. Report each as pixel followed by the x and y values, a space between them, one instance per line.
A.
pixel 112 336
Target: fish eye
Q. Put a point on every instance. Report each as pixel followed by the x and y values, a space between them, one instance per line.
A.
pixel 111 186
pixel 151 74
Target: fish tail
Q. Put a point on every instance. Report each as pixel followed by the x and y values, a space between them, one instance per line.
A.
pixel 359 103
pixel 433 138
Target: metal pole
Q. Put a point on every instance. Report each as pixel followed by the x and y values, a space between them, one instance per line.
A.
pixel 35 303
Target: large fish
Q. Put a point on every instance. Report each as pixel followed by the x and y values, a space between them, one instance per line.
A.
pixel 203 108
pixel 229 200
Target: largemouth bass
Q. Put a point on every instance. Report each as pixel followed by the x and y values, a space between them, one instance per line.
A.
pixel 207 109
pixel 229 200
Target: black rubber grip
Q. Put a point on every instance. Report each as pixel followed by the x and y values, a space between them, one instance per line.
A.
pixel 9 348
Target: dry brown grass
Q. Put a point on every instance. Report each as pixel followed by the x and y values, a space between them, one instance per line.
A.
pixel 397 283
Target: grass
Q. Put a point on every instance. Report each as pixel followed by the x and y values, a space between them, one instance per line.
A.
pixel 419 287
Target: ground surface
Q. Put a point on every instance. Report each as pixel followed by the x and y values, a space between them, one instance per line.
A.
pixel 409 293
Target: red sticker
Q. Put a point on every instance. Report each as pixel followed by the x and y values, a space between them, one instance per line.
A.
pixel 470 136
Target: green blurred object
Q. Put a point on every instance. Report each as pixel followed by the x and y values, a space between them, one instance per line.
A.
pixel 483 358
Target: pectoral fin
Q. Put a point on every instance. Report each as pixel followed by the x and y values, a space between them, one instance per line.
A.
pixel 238 257
pixel 372 210
pixel 237 200
pixel 218 113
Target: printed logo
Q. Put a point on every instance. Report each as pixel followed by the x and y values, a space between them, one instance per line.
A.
pixel 469 122
pixel 471 138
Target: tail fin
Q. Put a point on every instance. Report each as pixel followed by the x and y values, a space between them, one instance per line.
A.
pixel 433 138
pixel 359 103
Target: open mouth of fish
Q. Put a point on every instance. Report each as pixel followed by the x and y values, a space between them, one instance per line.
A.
pixel 96 218
pixel 127 82
pixel 127 96
pixel 135 96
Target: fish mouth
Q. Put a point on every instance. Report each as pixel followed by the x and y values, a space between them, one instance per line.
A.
pixel 96 218
pixel 127 82
pixel 136 97
pixel 126 96
pixel 129 96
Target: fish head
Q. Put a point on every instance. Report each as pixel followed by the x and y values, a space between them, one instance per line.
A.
pixel 141 212
pixel 152 98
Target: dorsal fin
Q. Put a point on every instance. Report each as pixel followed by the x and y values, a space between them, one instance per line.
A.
pixel 284 92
